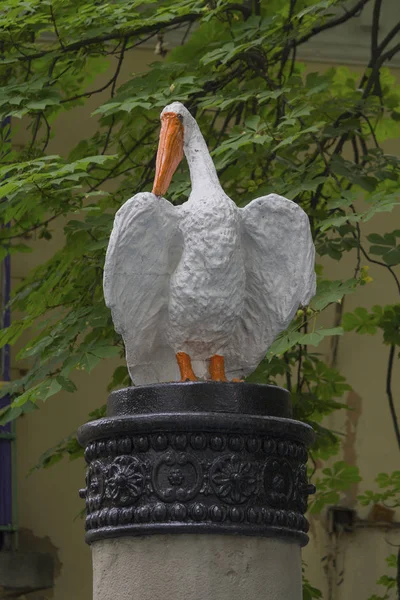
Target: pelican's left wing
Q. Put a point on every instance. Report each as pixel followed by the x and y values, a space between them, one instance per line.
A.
pixel 279 259
pixel 144 249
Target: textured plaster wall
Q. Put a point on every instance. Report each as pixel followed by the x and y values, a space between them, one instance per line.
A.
pixel 345 567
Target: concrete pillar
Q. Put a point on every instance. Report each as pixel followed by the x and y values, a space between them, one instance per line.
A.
pixel 197 491
pixel 196 567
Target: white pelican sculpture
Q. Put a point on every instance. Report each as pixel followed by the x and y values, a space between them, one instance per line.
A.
pixel 200 291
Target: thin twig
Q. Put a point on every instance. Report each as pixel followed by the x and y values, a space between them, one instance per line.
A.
pixel 88 94
pixel 371 129
pixel 381 264
pixel 390 394
pixel 53 20
pixel 189 27
pixel 48 132
pixel 335 339
pixel 119 65
pixel 114 171
pixel 299 365
pixel 35 130
pixel 114 80
pixel 287 373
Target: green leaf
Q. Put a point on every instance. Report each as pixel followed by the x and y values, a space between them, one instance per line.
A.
pixel 326 499
pixel 361 321
pixel 288 339
pixel 392 257
pixel 329 292
pixel 336 480
pixel 386 240
pixel 66 384
pixel 338 221
pixel 380 250
pixel 120 377
pixel 106 351
pixel 310 592
pixel 388 582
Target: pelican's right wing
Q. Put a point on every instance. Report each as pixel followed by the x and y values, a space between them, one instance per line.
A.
pixel 279 261
pixel 144 249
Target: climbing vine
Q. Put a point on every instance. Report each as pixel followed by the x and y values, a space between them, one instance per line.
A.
pixel 271 125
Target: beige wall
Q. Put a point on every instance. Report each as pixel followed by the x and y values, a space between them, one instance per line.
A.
pixel 48 500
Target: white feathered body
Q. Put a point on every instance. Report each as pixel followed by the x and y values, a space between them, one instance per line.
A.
pixel 205 277
pixel 206 293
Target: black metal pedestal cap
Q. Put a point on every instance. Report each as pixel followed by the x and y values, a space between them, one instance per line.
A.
pixel 208 396
pixel 201 457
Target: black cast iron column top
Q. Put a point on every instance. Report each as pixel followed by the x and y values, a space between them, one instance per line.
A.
pixel 201 396
pixel 197 457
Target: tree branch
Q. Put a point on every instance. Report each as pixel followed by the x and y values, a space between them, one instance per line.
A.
pixel 372 79
pixel 375 28
pixel 116 35
pixel 389 54
pixel 389 37
pixel 31 229
pixel 114 171
pixel 113 79
pixel 390 394
pixel 333 23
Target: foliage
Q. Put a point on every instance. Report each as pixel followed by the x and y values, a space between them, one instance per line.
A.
pixel 336 479
pixel 283 130
pixel 389 484
pixel 387 581
pixel 314 137
pixel 310 592
pixel 386 318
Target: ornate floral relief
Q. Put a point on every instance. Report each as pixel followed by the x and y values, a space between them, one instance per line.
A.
pixel 125 480
pixel 197 479
pixel 233 479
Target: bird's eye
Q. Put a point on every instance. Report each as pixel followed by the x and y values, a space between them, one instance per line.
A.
pixel 180 117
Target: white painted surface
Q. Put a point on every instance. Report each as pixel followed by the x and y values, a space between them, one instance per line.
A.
pixel 196 567
pixel 206 277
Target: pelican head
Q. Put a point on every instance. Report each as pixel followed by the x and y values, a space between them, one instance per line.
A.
pixel 177 125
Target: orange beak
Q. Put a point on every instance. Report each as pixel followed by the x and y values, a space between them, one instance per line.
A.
pixel 170 152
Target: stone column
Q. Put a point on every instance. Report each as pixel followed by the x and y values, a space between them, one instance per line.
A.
pixel 197 491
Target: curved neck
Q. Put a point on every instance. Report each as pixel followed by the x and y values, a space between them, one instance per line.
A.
pixel 202 170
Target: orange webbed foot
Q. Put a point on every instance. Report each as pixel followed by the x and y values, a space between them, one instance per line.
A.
pixel 185 367
pixel 217 368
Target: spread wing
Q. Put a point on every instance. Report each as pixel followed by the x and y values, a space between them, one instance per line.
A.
pixel 144 249
pixel 279 259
